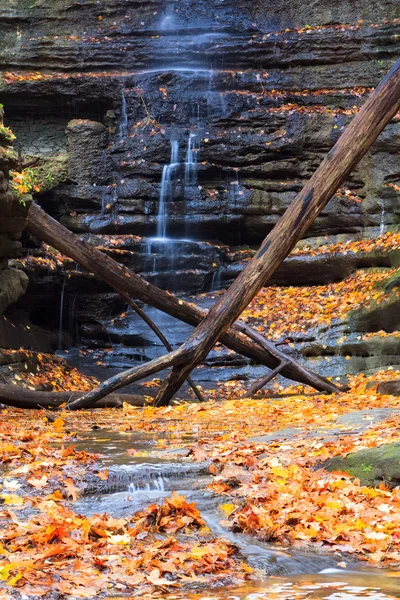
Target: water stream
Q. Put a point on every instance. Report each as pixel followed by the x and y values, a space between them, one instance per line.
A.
pixel 382 219
pixel 136 481
pixel 166 193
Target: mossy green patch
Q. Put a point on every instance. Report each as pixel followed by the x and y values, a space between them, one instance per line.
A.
pixel 372 466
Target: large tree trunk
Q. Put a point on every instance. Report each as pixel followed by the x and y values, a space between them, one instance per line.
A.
pixel 129 285
pixel 380 107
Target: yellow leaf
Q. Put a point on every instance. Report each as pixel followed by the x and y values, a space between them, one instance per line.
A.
pixel 58 424
pixel 14 579
pixel 280 472
pixel 199 551
pixel 5 571
pixel 12 499
pixel 228 508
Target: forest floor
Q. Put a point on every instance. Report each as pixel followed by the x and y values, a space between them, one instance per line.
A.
pixel 265 457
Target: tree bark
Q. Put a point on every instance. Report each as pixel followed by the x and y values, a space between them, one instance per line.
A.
pixel 20 397
pixel 129 285
pixel 380 107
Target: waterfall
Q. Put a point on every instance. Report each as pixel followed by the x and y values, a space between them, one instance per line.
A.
pixel 382 221
pixel 216 281
pixel 103 202
pixel 191 160
pixel 162 244
pixel 167 179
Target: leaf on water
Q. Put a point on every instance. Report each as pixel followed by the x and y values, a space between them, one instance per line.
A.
pixel 228 508
pixel 12 499
pixel 72 490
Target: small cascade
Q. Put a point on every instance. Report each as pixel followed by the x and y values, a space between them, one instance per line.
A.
pixel 156 484
pixel 149 252
pixel 162 477
pixel 168 21
pixel 166 193
pixel 123 125
pixel 382 221
pixel 103 202
pixel 216 281
pixel 191 159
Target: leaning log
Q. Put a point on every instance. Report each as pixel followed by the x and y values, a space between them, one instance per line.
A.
pixel 130 285
pixel 363 130
pixel 19 397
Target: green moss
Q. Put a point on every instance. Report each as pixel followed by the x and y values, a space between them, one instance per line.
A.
pixel 6 135
pixel 51 172
pixel 372 466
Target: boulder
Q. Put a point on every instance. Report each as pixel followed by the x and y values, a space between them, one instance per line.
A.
pixel 13 284
pixel 372 466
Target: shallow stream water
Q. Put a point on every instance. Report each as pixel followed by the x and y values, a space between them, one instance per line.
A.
pixel 160 466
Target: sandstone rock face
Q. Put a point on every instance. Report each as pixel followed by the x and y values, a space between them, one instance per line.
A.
pixel 200 120
pixel 261 91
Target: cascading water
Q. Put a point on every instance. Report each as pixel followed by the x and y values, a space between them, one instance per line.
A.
pixel 382 221
pixel 191 160
pixel 163 244
pixel 166 193
pixel 60 330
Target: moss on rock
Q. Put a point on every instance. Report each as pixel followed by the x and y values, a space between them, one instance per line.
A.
pixel 372 466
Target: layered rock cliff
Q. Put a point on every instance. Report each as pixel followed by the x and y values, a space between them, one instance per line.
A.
pixel 241 99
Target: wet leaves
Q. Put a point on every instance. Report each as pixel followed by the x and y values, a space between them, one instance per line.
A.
pixel 284 312
pixel 84 556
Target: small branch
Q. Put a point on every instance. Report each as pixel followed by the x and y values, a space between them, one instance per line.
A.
pixel 312 379
pixel 260 383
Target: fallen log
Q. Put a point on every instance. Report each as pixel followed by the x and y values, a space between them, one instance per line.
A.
pixel 19 397
pixel 128 284
pixel 365 127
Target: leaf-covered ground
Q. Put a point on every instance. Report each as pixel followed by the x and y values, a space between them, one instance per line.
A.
pixel 272 489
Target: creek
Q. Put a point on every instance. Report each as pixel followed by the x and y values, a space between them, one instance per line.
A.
pixel 144 468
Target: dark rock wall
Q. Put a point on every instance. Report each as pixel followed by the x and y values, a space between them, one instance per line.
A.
pixel 267 87
pixel 263 88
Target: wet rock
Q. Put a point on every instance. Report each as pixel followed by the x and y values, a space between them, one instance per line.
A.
pixel 372 466
pixel 391 387
pixel 87 143
pixel 13 286
pixel 379 315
